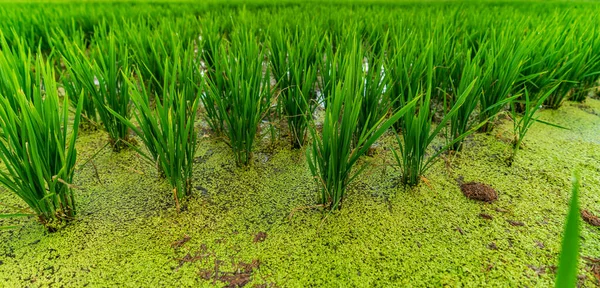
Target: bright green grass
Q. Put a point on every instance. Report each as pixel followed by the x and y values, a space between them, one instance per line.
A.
pixel 385 235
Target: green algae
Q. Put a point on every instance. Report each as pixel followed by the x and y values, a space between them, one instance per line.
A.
pixel 385 235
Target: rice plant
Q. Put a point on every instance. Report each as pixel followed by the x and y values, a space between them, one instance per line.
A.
pixel 505 60
pixel 211 41
pixel 407 70
pixel 331 65
pixel 331 156
pixel 522 123
pixel 376 101
pixel 166 126
pixel 102 75
pixel 462 122
pixel 328 71
pixel 16 74
pixel 587 83
pixel 64 45
pixel 566 275
pixel 293 65
pixel 38 147
pixel 239 94
pixel 212 34
pixel 416 127
pixel 570 60
pixel 151 44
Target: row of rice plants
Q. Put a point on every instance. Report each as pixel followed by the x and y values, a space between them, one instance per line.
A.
pixel 147 78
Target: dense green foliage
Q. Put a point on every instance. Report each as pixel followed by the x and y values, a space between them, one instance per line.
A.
pixel 167 126
pixel 332 154
pixel 332 79
pixel 36 148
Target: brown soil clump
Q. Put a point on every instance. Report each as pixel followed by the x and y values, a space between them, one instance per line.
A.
pixel 479 191
pixel 260 237
pixel 516 223
pixel 238 278
pixel 590 218
pixel 593 266
pixel 180 243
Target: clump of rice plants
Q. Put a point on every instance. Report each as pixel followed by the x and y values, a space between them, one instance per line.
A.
pixel 166 126
pixel 416 127
pixel 293 62
pixel 331 156
pixel 103 76
pixel 239 94
pixel 587 82
pixel 558 59
pixel 562 58
pixel 38 148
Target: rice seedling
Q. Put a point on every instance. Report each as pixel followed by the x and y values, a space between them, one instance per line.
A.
pixel 505 61
pixel 212 39
pixel 239 93
pixel 446 55
pixel 569 255
pixel 416 127
pixel 376 101
pixel 16 75
pixel 212 34
pixel 328 71
pixel 461 122
pixel 557 60
pixel 572 63
pixel 522 124
pixel 464 122
pixel 166 127
pixel 587 83
pixel 407 70
pixel 70 83
pixel 331 156
pixel 37 150
pixel 293 63
pixel 150 46
pixel 102 75
pixel 569 62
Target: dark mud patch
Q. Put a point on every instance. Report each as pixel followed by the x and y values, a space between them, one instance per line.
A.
pixel 593 265
pixel 479 191
pixel 540 244
pixel 588 109
pixel 238 278
pixel 260 237
pixel 515 223
pixel 590 218
pixel 180 243
pixel 542 269
pixel 460 230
